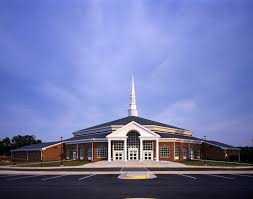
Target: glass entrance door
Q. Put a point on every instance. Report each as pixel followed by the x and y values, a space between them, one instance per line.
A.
pixel 118 155
pixel 133 154
pixel 148 155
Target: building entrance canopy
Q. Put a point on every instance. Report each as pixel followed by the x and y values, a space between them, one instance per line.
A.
pixel 137 143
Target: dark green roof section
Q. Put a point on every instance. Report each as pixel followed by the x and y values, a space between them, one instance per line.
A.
pixel 88 136
pixel 178 136
pixel 219 144
pixel 126 120
pixel 35 147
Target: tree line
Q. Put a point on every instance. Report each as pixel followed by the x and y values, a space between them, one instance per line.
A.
pixel 7 144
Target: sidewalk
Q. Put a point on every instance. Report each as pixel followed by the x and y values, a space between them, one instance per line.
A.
pixel 133 164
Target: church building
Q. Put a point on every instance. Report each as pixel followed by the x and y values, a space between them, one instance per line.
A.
pixel 133 138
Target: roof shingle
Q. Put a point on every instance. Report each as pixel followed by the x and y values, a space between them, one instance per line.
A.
pixel 126 120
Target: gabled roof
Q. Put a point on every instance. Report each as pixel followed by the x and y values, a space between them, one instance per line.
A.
pixel 133 126
pixel 35 147
pixel 126 120
pixel 219 144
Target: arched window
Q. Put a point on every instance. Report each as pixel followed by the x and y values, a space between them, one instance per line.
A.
pixel 133 139
pixel 133 142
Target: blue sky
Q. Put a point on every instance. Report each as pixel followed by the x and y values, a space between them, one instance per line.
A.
pixel 67 65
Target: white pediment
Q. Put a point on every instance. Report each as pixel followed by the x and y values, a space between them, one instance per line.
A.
pixel 133 126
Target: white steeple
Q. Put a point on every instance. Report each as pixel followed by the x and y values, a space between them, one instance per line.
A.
pixel 132 111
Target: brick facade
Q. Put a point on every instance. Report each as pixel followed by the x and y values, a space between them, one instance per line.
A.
pixel 211 152
pixel 52 153
pixel 171 148
pixel 85 147
pixel 186 151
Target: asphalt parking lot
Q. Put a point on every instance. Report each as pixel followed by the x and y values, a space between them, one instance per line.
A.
pixel 134 168
pixel 109 186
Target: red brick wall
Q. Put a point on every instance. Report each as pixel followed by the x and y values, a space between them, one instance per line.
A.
pixel 171 146
pixel 95 149
pixel 96 145
pixel 52 153
pixel 85 146
pixel 211 152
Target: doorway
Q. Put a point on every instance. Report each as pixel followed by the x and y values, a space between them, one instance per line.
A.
pixel 133 154
pixel 118 155
pixel 147 155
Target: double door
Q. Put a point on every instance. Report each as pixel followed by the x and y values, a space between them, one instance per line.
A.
pixel 148 155
pixel 118 155
pixel 133 154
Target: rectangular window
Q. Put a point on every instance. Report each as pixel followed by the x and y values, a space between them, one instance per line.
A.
pixel 185 153
pixel 74 154
pixel 81 153
pixel 177 152
pixel 164 152
pixel 102 152
pixel 147 145
pixel 89 153
pixel 67 154
pixel 197 153
pixel 118 146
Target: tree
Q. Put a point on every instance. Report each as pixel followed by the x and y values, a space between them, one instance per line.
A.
pixel 5 146
pixel 19 141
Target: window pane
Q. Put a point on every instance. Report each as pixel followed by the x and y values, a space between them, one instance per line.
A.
pixel 165 152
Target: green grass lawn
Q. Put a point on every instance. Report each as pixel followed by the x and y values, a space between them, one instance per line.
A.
pixel 211 163
pixel 54 164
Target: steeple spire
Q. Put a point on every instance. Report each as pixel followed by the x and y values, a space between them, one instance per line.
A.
pixel 132 111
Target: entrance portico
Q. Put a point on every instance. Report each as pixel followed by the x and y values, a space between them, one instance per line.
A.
pixel 133 142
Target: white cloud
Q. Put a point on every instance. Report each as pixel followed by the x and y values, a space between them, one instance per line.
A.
pixel 179 113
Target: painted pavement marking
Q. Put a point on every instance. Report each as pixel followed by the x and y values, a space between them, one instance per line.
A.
pixel 147 169
pixel 188 176
pixel 244 175
pixel 219 176
pixel 86 176
pixel 49 178
pixel 23 177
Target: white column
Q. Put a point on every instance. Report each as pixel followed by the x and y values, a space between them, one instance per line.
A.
pixel 77 152
pixel 157 150
pixel 189 151
pixel 141 149
pixel 174 150
pixel 109 150
pixel 92 155
pixel 125 150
